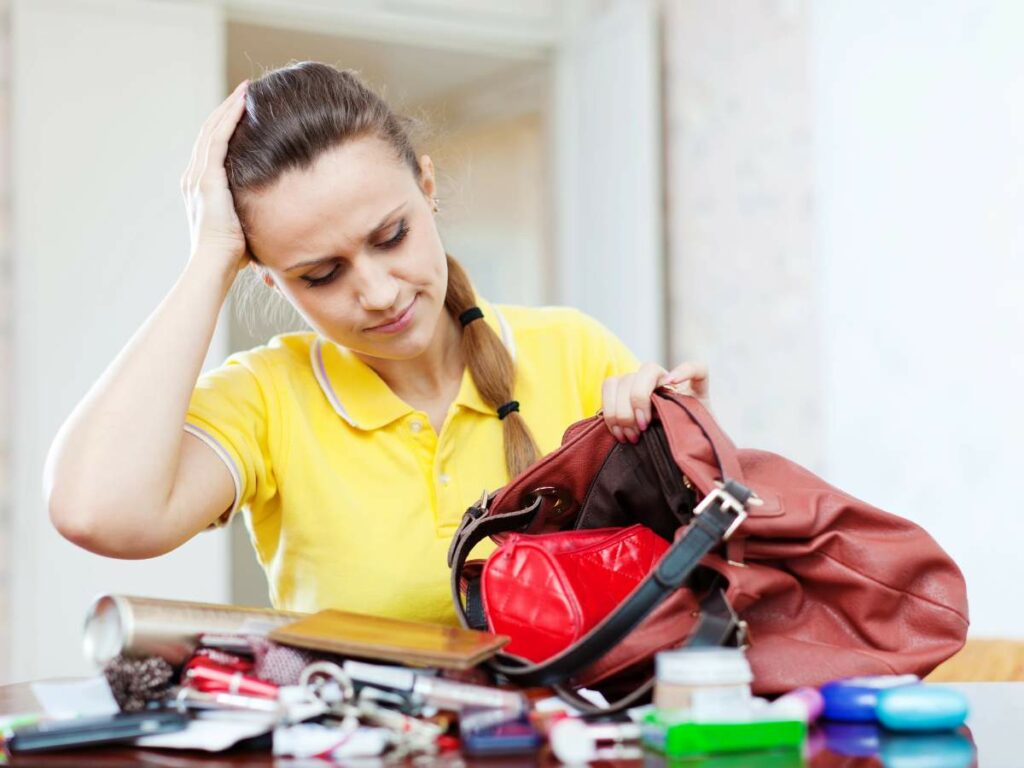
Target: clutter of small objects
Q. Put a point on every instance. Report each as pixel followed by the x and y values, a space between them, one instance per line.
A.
pixel 194 676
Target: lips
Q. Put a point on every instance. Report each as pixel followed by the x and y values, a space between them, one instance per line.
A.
pixel 398 322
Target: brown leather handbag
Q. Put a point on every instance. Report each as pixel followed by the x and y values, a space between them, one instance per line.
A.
pixel 816 584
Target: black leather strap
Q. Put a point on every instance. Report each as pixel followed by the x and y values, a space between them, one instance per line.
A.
pixel 476 618
pixel 476 526
pixel 704 533
pixel 718 626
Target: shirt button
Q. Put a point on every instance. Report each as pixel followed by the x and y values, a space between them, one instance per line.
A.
pixel 416 426
pixel 445 479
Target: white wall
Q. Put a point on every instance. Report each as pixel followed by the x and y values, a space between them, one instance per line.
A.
pixel 920 197
pixel 742 268
pixel 493 216
pixel 108 97
pixel 606 158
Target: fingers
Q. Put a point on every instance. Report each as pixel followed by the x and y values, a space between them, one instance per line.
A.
pixel 627 402
pixel 233 103
pixel 217 147
pixel 644 382
pixel 692 374
pixel 608 398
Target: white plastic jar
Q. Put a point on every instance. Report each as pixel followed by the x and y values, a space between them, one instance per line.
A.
pixel 703 684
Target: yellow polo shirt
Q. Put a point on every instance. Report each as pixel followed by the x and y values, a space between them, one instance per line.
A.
pixel 350 496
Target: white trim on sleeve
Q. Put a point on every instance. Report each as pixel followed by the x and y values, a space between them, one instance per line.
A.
pixel 236 475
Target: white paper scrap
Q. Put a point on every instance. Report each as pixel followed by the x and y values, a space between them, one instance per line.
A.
pixel 76 698
pixel 213 735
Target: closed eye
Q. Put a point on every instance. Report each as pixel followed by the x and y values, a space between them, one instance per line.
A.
pixel 399 236
pixel 313 282
pixel 402 229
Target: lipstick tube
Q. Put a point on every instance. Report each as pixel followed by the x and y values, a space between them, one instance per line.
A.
pixel 210 677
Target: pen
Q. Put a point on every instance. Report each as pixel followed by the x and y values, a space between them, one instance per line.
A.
pixel 436 691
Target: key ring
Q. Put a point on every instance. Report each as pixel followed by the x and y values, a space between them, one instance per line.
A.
pixel 337 693
pixel 331 685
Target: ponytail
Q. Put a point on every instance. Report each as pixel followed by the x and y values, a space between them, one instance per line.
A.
pixel 492 370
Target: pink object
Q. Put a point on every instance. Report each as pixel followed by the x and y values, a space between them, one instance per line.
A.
pixel 810 699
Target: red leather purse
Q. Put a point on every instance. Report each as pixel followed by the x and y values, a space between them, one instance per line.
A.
pixel 757 552
pixel 546 592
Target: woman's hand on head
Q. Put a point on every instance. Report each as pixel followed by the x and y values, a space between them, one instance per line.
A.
pixel 626 400
pixel 215 230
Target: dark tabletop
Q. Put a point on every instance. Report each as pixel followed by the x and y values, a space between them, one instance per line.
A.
pixel 994 727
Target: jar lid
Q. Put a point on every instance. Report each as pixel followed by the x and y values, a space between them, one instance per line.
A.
pixel 703 666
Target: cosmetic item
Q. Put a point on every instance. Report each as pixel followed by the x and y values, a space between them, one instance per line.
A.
pixel 807 702
pixel 208 676
pixel 188 698
pixel 854 699
pixel 312 740
pixel 236 662
pixel 710 684
pixel 681 738
pixel 143 626
pixel 511 735
pixel 576 742
pixel 921 708
pixel 945 749
pixel 852 739
pixel 436 691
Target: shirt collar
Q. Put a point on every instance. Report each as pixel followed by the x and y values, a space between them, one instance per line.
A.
pixel 360 396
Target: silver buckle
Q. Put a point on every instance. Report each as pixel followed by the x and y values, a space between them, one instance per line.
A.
pixel 727 501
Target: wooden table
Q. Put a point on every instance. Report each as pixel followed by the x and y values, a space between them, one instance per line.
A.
pixel 997 717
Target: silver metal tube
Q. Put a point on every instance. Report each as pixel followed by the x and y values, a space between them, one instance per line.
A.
pixel 145 626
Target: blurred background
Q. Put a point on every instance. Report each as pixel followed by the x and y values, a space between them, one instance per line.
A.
pixel 823 200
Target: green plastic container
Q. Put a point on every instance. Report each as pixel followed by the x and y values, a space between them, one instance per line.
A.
pixel 686 739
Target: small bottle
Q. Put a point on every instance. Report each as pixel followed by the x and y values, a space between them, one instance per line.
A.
pixel 703 684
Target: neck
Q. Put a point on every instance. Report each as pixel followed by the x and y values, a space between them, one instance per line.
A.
pixel 433 374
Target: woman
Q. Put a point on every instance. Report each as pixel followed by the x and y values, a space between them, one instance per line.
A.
pixel 354 448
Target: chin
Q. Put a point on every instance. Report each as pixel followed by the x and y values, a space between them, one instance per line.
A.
pixel 404 347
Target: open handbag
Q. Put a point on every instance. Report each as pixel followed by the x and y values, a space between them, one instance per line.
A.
pixel 609 553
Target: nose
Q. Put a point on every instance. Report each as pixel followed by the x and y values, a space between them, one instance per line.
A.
pixel 376 288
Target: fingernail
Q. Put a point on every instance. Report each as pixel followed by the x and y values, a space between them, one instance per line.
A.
pixel 632 436
pixel 617 433
pixel 641 420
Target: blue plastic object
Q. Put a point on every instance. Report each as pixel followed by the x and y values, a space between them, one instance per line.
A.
pixel 853 739
pixel 921 708
pixel 948 749
pixel 854 699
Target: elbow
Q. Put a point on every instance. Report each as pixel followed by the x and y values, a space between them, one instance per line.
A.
pixel 75 522
pixel 96 531
pixel 68 514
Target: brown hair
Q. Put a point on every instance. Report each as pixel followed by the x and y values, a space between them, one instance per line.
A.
pixel 296 113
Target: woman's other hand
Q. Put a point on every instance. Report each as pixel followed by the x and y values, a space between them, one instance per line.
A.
pixel 626 400
pixel 214 228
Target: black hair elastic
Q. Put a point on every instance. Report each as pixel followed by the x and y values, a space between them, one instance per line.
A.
pixel 507 408
pixel 471 314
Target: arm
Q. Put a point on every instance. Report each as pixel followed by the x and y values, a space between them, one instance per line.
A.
pixel 122 477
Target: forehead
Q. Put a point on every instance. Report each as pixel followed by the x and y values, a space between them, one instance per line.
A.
pixel 330 205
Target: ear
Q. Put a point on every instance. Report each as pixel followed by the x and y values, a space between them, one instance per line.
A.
pixel 263 274
pixel 427 183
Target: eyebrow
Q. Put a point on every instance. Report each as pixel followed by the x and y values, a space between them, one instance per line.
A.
pixel 322 259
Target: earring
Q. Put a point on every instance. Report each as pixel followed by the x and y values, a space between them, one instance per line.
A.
pixel 268 280
pixel 434 201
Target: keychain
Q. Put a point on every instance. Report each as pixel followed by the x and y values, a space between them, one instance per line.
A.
pixel 329 683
